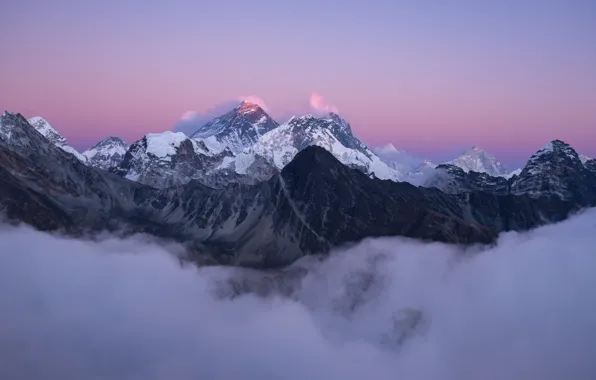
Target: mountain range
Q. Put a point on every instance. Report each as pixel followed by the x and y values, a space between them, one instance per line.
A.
pixel 244 190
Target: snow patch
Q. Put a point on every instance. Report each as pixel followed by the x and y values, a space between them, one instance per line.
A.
pixel 164 144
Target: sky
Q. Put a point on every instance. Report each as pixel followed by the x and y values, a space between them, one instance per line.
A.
pixel 430 76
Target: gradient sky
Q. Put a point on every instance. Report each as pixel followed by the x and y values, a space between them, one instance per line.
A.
pixel 432 77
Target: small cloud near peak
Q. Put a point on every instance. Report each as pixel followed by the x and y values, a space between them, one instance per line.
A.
pixel 318 104
pixel 189 115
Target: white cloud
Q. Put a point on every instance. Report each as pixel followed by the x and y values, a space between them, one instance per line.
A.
pixel 318 104
pixel 384 309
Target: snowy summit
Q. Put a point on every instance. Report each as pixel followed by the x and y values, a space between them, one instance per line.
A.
pixel 478 160
pixel 43 127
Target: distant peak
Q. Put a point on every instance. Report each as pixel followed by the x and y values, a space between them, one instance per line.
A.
pixel 475 148
pixel 110 140
pixel 389 147
pixel 247 106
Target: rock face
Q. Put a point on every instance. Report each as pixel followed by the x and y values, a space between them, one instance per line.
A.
pixel 478 160
pixel 312 205
pixel 107 153
pixel 237 129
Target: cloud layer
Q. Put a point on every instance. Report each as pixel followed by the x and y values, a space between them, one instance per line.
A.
pixel 384 309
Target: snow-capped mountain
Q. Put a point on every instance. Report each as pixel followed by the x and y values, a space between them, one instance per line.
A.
pixel 398 160
pixel 313 205
pixel 171 158
pixel 43 127
pixel 236 130
pixel 478 160
pixel 164 159
pixel 106 153
pixel 280 145
pixel 584 158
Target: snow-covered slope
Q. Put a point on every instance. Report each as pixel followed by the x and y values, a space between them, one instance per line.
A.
pixel 236 130
pixel 584 158
pixel 478 160
pixel 106 153
pixel 398 160
pixel 420 175
pixel 43 127
pixel 280 145
pixel 513 173
pixel 171 158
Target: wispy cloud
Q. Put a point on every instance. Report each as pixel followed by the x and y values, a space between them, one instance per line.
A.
pixel 319 105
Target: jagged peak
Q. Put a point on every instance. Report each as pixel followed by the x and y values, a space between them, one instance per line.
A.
pixel 46 129
pixel 328 118
pixel 37 119
pixel 554 147
pixel 247 107
pixel 389 147
pixel 583 158
pixel 110 140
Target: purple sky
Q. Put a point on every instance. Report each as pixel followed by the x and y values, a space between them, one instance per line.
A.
pixel 432 77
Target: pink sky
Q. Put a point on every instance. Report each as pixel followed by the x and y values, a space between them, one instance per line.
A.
pixel 434 79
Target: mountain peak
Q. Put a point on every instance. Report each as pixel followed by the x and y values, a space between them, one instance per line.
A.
pixel 110 140
pixel 238 129
pixel 311 159
pixel 388 148
pixel 478 160
pixel 107 153
pixel 247 107
pixel 43 127
pixel 556 147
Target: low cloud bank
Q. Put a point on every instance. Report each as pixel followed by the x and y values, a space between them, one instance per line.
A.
pixel 384 309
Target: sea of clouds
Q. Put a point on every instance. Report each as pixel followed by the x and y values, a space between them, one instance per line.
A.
pixel 383 309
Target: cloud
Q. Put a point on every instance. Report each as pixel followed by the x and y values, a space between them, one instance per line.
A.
pixel 318 104
pixel 383 309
